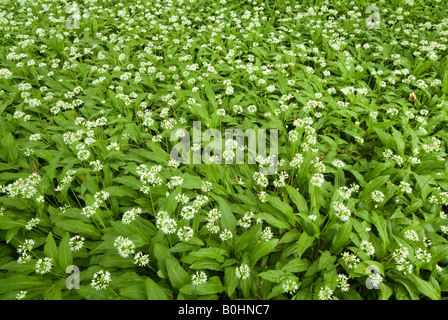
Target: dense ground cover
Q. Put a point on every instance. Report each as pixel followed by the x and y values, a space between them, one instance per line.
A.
pixel 91 95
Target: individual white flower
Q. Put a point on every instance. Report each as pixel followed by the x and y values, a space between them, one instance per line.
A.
pixel 185 233
pixel 367 247
pixel 198 278
pixel 225 235
pixel 83 154
pixel 377 196
pixel 351 260
pixel 342 282
pixel 423 255
pixel 338 163
pixel 317 179
pixel 246 220
pixel 325 293
pixel 188 212
pixel 242 272
pixel 100 280
pixel 290 286
pixel 32 223
pixel 206 186
pixel 297 160
pixel 21 295
pixel 266 234
pixel 76 243
pixel 43 265
pixel 270 88
pixel 411 235
pixel 213 215
pixel 124 246
pixel 141 259
pixel 405 187
pixel 130 215
pixel 341 211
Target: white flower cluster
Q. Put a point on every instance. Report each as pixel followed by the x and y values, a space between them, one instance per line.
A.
pixel 24 187
pixel 149 177
pixel 341 211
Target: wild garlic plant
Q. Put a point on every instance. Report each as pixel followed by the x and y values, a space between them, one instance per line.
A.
pixel 95 95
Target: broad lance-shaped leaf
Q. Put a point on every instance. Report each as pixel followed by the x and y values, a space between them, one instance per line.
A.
pixel 161 253
pixel 297 198
pixel 373 185
pixel 212 253
pixel 325 261
pixel 283 207
pixel 230 280
pixel 136 291
pixel 305 241
pixel 177 275
pixel 19 282
pixel 82 228
pixel 65 253
pixel 8 223
pixel 425 287
pixel 260 250
pixel 50 249
pixel 247 240
pixel 296 265
pixel 9 146
pixel 342 237
pixel 153 291
pixel 212 286
pixel 274 275
pixel 228 220
pixel 381 226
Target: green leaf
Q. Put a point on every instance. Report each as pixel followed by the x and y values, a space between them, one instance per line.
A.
pixel 324 262
pixel 121 191
pixel 297 198
pixel 273 275
pixel 8 223
pixel 136 291
pixel 79 227
pixel 385 292
pixel 177 275
pixel 273 220
pixel 228 220
pixel 373 185
pixel 114 260
pixel 10 234
pixel 381 226
pixel 90 293
pixel 19 282
pixel 161 253
pixel 206 263
pixel 51 169
pixel 277 290
pixel 439 253
pixel 248 239
pixel 212 286
pixel 211 252
pixel 425 287
pixel 50 249
pixel 296 265
pixel 153 291
pixel 9 145
pixel 230 280
pixel 260 250
pixel 65 253
pixel 342 237
pixel 283 207
pixel 305 241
